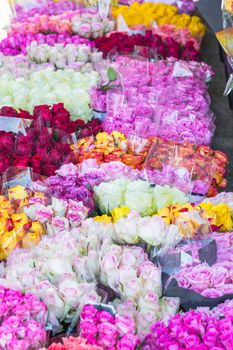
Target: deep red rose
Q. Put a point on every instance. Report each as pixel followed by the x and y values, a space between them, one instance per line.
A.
pixel 33 133
pixel 25 114
pixel 8 112
pixel 7 140
pixel 44 113
pixel 85 132
pixel 97 129
pixel 21 161
pixel 55 157
pixel 62 148
pixel 5 162
pixel 42 152
pixel 24 145
pixel 49 169
pixel 36 163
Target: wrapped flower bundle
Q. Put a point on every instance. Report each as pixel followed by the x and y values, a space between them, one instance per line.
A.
pixel 37 149
pixel 136 195
pixel 23 320
pixel 184 6
pixel 28 215
pixel 210 281
pixel 55 117
pixel 58 86
pixel 200 219
pixel 142 108
pixel 64 56
pixel 110 147
pixel 182 36
pixel 128 227
pixel 165 47
pixel 16 44
pixel 17 229
pixel 164 157
pixel 87 25
pixel 105 330
pixel 193 329
pixel 145 14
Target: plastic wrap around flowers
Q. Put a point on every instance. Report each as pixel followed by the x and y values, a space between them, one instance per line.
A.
pixel 58 86
pixel 147 13
pixel 16 44
pixel 142 107
pixel 165 47
pixel 23 321
pixel 198 329
pixel 158 161
pixel 87 25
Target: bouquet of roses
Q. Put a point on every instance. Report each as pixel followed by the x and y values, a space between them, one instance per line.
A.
pixel 17 229
pixel 197 329
pixel 27 215
pixel 210 281
pixel 146 13
pixel 67 184
pixel 105 148
pixel 164 155
pixel 85 24
pixel 58 86
pixel 137 195
pixel 37 149
pixel 106 330
pixel 79 57
pixel 182 36
pixel 15 44
pixel 124 43
pixel 56 117
pixel 142 106
pixel 201 219
pixel 23 320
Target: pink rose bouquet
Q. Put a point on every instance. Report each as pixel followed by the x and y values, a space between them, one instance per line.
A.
pixel 23 320
pixel 15 44
pixel 105 330
pixel 210 281
pixel 193 330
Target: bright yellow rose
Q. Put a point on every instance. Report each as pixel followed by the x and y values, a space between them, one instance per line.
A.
pixel 118 213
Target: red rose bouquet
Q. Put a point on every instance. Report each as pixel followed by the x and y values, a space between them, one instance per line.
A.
pixel 163 46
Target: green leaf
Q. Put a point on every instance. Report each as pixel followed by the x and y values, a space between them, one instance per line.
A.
pixel 112 74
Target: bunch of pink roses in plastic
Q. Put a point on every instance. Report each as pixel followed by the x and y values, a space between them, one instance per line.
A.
pixel 142 107
pixel 108 331
pixel 193 330
pixel 87 25
pixel 210 281
pixel 16 44
pixel 23 320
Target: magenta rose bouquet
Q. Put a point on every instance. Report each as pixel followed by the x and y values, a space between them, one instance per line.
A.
pixel 193 330
pixel 23 320
pixel 103 329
